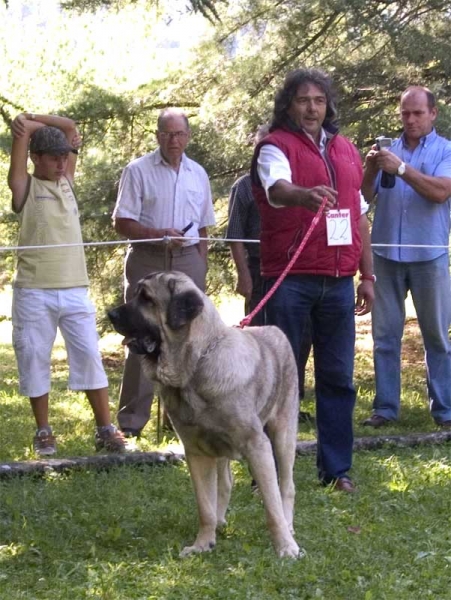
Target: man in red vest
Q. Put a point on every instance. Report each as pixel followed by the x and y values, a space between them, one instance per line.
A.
pixel 302 161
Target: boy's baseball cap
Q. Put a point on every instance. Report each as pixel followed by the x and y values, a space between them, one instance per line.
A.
pixel 50 140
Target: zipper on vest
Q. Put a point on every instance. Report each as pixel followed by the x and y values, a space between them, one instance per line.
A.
pixel 333 179
pixel 329 167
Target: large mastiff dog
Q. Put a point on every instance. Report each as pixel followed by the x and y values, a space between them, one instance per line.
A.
pixel 220 386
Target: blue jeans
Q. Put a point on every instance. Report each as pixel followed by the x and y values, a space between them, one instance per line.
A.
pixel 429 285
pixel 328 304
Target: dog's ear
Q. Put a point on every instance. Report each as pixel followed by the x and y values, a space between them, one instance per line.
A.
pixel 183 308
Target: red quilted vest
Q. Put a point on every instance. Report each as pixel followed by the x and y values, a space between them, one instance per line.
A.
pixel 282 229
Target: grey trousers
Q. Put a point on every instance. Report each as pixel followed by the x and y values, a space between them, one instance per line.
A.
pixel 136 395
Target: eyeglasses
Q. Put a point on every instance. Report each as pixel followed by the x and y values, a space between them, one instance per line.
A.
pixel 168 135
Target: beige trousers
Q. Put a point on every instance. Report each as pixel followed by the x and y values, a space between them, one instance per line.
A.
pixel 136 395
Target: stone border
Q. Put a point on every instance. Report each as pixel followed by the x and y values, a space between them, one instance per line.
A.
pixel 106 461
pixel 98 462
pixel 396 441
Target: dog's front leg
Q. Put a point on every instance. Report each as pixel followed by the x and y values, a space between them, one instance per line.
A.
pixel 203 470
pixel 283 436
pixel 263 468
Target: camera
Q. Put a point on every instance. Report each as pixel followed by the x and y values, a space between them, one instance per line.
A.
pixel 383 142
pixel 387 179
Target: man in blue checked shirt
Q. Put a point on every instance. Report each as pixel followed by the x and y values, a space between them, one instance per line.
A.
pixel 413 212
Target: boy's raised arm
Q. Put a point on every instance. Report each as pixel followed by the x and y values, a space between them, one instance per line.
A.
pixel 18 178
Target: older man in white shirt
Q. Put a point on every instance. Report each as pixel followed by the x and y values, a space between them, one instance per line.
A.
pixel 160 194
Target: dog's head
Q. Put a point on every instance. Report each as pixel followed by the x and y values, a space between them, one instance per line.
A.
pixel 164 303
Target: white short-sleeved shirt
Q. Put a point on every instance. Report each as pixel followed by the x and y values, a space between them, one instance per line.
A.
pixel 154 194
pixel 272 165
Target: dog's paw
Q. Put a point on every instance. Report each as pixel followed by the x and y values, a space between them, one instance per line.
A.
pixel 291 550
pixel 196 549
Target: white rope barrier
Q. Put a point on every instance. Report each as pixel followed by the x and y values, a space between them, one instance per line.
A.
pixel 168 239
pixel 165 239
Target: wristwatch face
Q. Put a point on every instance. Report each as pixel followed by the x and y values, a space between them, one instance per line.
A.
pixel 402 169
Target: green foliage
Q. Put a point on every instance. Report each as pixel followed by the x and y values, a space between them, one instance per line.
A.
pixel 372 49
pixel 205 7
pixel 116 124
pixel 104 64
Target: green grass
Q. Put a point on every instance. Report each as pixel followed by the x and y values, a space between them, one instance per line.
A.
pixel 73 424
pixel 116 535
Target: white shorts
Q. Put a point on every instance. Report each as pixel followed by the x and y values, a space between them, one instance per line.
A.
pixel 36 315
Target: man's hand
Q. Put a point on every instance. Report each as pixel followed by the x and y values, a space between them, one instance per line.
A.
pixel 371 160
pixel 22 125
pixel 313 198
pixel 365 297
pixel 244 285
pixel 387 161
pixel 76 141
pixel 284 193
pixel 18 127
pixel 173 233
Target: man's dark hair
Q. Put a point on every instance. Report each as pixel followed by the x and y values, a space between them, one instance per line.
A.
pixel 430 98
pixel 285 95
pixel 262 131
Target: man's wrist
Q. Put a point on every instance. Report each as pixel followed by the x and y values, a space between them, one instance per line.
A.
pixel 368 277
pixel 301 196
pixel 401 169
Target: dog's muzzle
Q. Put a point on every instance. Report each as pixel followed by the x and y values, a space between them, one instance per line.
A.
pixel 139 336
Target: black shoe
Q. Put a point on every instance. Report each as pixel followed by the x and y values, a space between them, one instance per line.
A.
pixel 344 484
pixel 306 417
pixel 340 484
pixel 131 433
pixel 376 421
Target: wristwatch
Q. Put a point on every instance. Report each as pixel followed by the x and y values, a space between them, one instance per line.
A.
pixel 368 278
pixel 401 169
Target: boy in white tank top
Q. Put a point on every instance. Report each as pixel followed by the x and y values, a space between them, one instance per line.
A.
pixel 51 284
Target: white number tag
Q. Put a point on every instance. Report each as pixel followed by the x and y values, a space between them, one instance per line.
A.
pixel 339 231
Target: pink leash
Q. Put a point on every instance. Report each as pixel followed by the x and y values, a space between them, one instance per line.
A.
pixel 248 318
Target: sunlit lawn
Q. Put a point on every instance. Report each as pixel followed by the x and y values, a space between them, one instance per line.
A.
pixel 72 420
pixel 116 535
